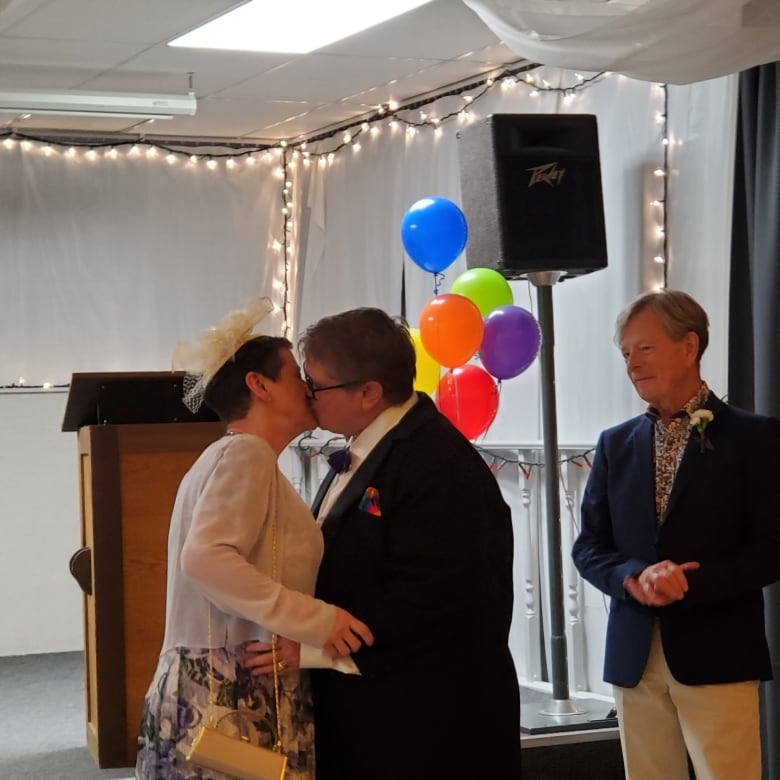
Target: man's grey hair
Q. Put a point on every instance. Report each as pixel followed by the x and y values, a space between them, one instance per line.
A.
pixel 679 314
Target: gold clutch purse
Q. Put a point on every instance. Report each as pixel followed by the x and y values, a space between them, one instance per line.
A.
pixel 236 756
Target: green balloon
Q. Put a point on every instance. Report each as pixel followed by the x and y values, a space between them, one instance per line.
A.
pixel 484 287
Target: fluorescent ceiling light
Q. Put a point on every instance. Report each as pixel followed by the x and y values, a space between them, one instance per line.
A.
pixel 131 105
pixel 292 26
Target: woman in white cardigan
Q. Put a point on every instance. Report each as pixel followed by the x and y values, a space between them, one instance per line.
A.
pixel 243 553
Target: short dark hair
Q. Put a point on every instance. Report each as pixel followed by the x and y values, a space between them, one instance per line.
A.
pixel 364 344
pixel 679 314
pixel 227 393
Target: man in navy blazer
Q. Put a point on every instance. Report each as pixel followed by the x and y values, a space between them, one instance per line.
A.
pixel 418 543
pixel 681 527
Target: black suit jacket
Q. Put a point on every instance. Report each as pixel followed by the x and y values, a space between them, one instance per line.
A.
pixel 723 511
pixel 432 576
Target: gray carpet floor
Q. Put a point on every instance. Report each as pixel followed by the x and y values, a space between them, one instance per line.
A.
pixel 43 720
pixel 43 729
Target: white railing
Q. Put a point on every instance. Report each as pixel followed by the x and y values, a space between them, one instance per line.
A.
pixel 518 470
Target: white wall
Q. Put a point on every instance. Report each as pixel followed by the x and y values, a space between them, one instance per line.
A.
pixel 40 606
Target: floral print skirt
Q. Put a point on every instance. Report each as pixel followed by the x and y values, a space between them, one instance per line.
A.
pixel 177 705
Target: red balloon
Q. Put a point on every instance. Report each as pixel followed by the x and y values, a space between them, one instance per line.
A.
pixel 451 329
pixel 468 397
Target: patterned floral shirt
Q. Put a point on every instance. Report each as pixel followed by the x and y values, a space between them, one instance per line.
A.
pixel 670 441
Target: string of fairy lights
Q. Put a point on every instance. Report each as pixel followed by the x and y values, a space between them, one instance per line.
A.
pixel 284 156
pixel 497 461
pixel 287 239
pixel 661 257
pixel 313 448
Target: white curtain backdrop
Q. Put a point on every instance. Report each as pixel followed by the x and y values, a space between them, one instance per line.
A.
pixel 700 187
pixel 105 264
pixel 352 254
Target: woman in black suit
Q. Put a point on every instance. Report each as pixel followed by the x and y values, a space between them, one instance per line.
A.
pixel 418 544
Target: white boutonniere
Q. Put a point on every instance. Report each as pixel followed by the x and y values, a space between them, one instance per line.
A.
pixel 700 419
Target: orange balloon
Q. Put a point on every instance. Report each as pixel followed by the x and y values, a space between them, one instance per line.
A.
pixel 451 329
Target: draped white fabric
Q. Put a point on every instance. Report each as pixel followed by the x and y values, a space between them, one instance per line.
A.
pixel 674 41
pixel 104 265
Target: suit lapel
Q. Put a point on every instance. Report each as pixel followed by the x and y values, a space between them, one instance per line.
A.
pixel 693 456
pixel 360 480
pixel 643 457
pixel 354 489
pixel 323 489
pixel 422 411
pixel 689 465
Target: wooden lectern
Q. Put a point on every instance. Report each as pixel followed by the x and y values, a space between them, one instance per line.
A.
pixel 136 440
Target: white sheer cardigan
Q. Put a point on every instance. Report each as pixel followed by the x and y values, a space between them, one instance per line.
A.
pixel 220 550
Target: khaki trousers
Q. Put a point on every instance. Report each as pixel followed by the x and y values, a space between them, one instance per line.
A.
pixel 661 718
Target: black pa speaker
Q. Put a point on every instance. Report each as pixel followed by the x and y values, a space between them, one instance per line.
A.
pixel 531 193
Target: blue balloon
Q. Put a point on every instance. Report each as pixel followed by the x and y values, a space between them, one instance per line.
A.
pixel 434 233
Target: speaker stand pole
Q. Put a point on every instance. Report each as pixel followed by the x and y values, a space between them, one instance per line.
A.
pixel 561 704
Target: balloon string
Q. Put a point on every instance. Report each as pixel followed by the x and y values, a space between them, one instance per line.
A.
pixel 438 278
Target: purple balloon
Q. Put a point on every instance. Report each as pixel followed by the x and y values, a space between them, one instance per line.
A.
pixel 510 342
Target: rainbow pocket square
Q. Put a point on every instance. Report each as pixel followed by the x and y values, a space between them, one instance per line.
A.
pixel 370 502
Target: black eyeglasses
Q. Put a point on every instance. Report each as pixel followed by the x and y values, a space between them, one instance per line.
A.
pixel 313 389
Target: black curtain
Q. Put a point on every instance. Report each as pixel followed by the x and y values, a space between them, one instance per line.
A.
pixel 754 311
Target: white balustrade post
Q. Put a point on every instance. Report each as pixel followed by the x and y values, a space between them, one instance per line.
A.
pixel 573 479
pixel 527 569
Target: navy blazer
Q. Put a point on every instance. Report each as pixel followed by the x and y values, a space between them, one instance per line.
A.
pixel 430 571
pixel 723 511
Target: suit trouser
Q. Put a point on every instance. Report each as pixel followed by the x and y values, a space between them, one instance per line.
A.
pixel 660 718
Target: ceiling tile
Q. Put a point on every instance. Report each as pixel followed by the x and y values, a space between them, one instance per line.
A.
pixel 56 54
pixel 147 21
pixel 440 30
pixel 12 11
pixel 325 77
pixel 74 123
pixel 310 123
pixel 43 78
pixel 120 46
pixel 212 70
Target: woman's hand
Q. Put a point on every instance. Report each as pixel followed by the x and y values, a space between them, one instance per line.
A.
pixel 260 656
pixel 348 635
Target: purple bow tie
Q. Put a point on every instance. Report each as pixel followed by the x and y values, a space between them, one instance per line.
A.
pixel 339 460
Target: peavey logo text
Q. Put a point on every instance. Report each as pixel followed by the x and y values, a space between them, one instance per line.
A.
pixel 549 173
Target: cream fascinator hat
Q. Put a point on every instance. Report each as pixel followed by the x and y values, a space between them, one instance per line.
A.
pixel 202 359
